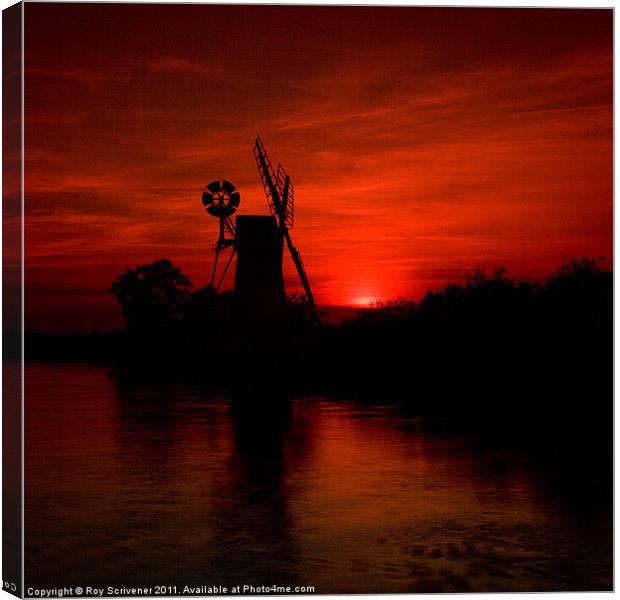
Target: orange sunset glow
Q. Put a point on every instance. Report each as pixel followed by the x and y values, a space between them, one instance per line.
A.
pixel 422 142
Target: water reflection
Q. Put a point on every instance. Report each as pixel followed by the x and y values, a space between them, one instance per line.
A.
pixel 160 484
pixel 255 527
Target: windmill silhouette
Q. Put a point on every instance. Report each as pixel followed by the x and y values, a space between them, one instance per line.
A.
pixel 281 200
pixel 257 240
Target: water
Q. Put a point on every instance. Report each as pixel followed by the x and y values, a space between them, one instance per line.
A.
pixel 137 484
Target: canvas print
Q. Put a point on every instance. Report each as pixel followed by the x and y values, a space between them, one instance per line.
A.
pixel 307 299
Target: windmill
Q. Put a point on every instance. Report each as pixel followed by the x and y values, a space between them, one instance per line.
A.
pixel 221 200
pixel 281 200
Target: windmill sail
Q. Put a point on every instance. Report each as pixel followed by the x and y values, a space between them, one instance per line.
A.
pixel 287 194
pixel 268 177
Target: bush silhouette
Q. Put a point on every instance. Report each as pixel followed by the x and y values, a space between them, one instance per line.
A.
pixel 151 297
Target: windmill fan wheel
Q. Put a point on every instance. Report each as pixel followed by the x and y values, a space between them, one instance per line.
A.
pixel 220 198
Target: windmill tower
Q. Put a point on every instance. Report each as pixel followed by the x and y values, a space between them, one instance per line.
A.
pixel 258 241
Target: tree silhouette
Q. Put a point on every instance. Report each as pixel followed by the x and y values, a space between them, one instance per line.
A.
pixel 152 296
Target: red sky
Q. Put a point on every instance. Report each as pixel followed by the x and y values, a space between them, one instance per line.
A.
pixel 421 142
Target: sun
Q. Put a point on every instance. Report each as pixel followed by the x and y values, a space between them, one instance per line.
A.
pixel 363 300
